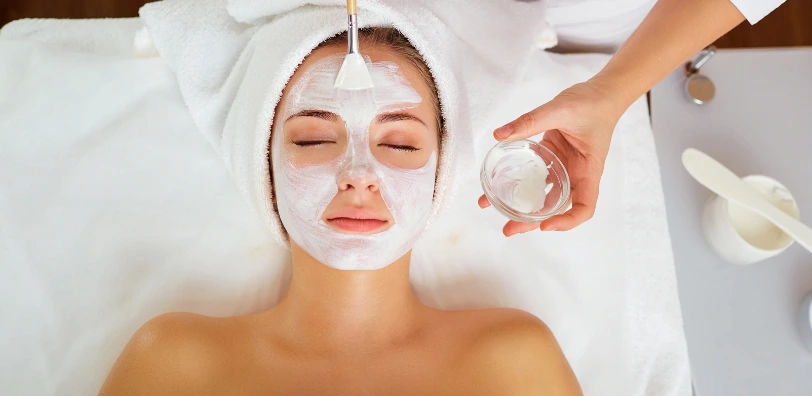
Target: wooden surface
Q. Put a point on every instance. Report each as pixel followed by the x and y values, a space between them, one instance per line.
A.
pixel 16 9
pixel 789 25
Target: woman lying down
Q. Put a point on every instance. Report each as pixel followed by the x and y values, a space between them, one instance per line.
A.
pixel 354 177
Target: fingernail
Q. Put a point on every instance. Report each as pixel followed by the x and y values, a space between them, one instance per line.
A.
pixel 551 229
pixel 503 132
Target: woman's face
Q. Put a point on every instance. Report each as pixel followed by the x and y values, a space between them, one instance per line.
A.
pixel 354 171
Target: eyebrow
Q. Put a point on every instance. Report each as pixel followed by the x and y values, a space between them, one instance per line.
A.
pixel 324 115
pixel 393 117
pixel 383 118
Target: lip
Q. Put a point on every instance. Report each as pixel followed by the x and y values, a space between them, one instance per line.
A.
pixel 355 220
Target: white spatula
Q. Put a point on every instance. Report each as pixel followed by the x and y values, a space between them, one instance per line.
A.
pixel 717 178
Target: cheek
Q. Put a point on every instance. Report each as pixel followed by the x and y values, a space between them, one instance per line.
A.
pixel 274 197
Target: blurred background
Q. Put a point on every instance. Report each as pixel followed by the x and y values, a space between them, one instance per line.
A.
pixel 783 28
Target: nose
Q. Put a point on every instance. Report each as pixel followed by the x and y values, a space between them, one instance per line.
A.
pixel 358 175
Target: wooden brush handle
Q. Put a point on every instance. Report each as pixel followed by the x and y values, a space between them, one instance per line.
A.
pixel 351 7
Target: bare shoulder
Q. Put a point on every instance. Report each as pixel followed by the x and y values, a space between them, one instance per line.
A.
pixel 172 354
pixel 515 353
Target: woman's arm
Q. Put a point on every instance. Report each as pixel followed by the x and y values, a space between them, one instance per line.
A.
pixel 520 356
pixel 582 118
pixel 169 355
pixel 672 32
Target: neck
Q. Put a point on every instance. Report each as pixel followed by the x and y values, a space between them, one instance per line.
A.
pixel 347 309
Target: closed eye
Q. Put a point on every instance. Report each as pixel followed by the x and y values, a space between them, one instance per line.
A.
pixel 400 147
pixel 311 143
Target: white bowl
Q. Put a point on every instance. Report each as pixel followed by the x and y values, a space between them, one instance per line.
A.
pixel 742 236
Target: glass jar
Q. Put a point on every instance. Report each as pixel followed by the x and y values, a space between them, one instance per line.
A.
pixel 525 181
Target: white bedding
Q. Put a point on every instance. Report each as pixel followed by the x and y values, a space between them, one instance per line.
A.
pixel 114 209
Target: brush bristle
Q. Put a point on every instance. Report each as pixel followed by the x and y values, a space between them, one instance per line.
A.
pixel 353 74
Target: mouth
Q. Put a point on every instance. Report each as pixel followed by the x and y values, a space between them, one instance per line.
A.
pixel 356 221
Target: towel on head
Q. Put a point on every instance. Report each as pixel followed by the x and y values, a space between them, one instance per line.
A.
pixel 233 59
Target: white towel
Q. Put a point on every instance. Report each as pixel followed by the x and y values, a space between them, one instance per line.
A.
pixel 233 58
pixel 112 37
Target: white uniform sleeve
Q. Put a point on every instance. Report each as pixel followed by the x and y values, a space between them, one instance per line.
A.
pixel 754 10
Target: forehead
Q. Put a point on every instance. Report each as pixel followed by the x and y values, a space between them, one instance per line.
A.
pixel 389 72
pixel 315 90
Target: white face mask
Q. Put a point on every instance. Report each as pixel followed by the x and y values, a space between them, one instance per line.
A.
pixel 303 193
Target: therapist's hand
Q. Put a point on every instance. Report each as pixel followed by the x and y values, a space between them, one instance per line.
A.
pixel 579 123
pixel 581 119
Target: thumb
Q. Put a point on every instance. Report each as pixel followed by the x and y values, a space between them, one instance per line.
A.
pixel 538 120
